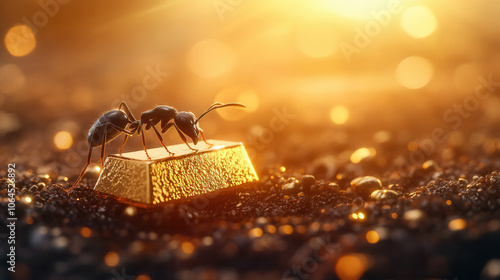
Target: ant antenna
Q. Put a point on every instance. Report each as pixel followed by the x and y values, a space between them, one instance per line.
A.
pixel 216 106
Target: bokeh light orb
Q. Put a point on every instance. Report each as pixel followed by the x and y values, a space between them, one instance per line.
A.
pixel 362 153
pixel 351 266
pixel 210 58
pixel 63 140
pixel 240 95
pixel 457 224
pixel 372 237
pixel 418 22
pixel 414 72
pixel 20 40
pixel 339 114
pixel 111 259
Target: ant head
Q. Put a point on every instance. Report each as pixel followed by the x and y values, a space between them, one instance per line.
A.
pixel 186 122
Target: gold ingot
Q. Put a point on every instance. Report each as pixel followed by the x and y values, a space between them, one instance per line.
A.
pixel 134 178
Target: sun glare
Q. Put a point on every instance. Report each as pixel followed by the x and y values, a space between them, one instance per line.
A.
pixel 356 9
pixel 418 22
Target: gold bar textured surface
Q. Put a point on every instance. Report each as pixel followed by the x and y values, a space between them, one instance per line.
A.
pixel 165 178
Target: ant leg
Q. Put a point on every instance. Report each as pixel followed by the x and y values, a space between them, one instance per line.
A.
pixel 203 137
pixel 161 141
pixel 129 132
pixel 167 127
pixel 124 141
pixel 141 132
pixel 184 138
pixel 84 169
pixel 127 111
pixel 103 146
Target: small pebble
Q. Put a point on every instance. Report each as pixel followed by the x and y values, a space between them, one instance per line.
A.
pixel 430 165
pixel 333 186
pixel 365 186
pixel 383 194
pixel 41 186
pixel 394 187
pixel 308 180
pixel 33 188
pixel 290 185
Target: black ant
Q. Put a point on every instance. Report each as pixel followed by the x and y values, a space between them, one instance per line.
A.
pixel 112 123
pixel 106 128
pixel 184 123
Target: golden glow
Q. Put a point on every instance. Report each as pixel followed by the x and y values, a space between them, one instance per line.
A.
pixel 271 229
pixel 11 78
pixel 27 199
pixel 255 233
pixel 164 178
pixel 187 247
pixel 356 9
pixel 143 277
pixel 210 58
pixel 111 259
pixel 457 224
pixel 97 168
pixel 448 202
pixel 351 267
pixel 63 140
pixel 339 114
pixel 237 94
pixel 286 229
pixel 250 99
pixel 86 232
pixel 207 241
pixel 316 39
pixel 382 136
pixel 20 40
pixel 413 215
pixel 372 237
pixel 362 153
pixel 217 147
pixel 394 215
pixel 130 211
pixel 358 216
pixel 418 22
pixel 414 72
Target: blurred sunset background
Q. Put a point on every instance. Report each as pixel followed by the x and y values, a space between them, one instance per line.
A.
pixel 351 76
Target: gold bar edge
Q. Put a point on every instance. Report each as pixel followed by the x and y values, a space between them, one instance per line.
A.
pixel 169 179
